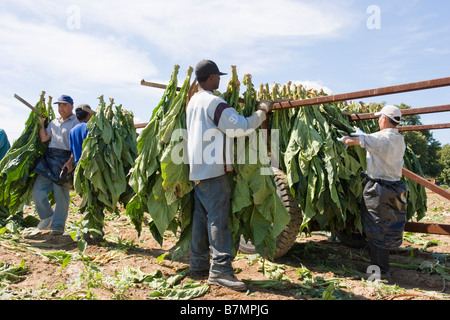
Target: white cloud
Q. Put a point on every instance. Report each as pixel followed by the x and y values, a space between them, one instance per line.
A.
pixel 119 43
pixel 315 85
pixel 189 30
pixel 261 31
pixel 44 51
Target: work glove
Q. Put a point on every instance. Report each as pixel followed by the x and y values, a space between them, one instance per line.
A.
pixel 265 105
pixel 358 132
pixel 341 139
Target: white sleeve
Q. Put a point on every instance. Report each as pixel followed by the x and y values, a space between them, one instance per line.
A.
pixel 234 125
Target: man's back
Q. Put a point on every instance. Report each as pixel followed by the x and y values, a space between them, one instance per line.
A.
pixel 76 138
pixel 385 152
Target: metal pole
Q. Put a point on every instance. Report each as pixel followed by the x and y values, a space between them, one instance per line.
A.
pixel 430 84
pixel 405 112
pixel 432 228
pixel 427 184
pixel 424 127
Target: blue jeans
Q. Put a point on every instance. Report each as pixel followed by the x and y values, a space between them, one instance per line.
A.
pixel 210 232
pixel 41 189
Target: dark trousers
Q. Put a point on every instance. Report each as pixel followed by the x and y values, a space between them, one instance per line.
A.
pixel 383 218
pixel 379 257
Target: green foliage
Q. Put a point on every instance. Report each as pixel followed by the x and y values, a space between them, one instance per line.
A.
pixel 162 187
pixel 422 144
pixel 109 151
pixel 257 211
pixel 10 273
pixel 444 160
pixel 16 168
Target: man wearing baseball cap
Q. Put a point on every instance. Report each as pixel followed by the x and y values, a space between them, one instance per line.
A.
pixel 383 209
pixel 50 167
pixel 208 115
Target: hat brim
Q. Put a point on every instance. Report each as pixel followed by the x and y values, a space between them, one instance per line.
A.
pixel 63 102
pixel 88 110
pixel 381 113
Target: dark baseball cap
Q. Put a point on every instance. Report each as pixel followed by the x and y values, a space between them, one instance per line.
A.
pixel 64 99
pixel 205 68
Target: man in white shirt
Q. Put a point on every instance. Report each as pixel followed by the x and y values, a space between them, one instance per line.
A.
pixel 209 120
pixel 385 195
pixel 49 169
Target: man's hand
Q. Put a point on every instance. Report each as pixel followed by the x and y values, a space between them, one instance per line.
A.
pixel 265 105
pixel 68 166
pixel 44 136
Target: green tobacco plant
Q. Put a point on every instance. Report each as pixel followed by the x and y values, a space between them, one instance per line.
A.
pixel 162 187
pixel 16 168
pixel 109 152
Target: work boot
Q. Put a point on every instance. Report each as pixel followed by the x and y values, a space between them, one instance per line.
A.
pixel 228 281
pixel 199 275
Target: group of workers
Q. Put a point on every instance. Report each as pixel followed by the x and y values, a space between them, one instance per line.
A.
pixel 384 197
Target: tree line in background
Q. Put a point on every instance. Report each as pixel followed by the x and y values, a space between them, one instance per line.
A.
pixel 433 157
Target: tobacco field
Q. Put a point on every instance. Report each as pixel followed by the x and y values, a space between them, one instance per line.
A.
pixel 128 187
pixel 38 266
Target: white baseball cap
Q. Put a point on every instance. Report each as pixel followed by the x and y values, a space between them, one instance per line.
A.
pixel 392 112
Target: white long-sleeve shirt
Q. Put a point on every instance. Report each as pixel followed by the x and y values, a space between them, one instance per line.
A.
pixel 209 120
pixel 385 152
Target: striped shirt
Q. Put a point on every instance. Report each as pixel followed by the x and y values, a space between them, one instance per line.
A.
pixel 385 152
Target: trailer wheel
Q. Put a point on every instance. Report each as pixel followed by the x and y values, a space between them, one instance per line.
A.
pixel 287 237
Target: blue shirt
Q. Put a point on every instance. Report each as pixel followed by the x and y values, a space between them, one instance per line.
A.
pixel 4 144
pixel 76 138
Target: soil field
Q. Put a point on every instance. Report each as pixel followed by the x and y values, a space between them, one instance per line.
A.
pixel 40 266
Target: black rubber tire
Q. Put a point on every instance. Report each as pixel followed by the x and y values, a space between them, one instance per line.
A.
pixel 287 237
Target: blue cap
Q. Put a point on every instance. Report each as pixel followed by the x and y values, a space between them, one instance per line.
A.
pixel 65 99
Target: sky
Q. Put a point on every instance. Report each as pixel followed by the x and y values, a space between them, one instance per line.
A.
pixel 86 49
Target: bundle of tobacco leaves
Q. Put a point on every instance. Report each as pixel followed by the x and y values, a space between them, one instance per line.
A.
pixel 16 176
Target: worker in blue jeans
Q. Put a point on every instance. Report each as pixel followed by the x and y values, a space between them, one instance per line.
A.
pixel 208 115
pixel 51 166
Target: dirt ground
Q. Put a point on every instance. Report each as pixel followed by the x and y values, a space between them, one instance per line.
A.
pixel 316 267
